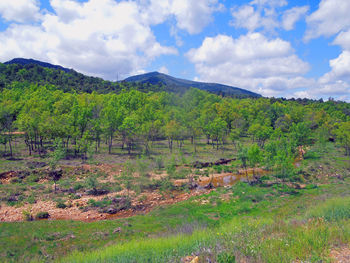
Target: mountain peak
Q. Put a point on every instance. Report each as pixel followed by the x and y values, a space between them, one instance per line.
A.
pixel 178 84
pixel 27 61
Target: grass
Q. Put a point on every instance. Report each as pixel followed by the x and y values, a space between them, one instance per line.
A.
pixel 258 236
pixel 205 222
pixel 255 223
pixel 332 210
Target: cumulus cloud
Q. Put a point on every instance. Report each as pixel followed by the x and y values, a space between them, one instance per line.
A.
pixel 19 10
pixel 331 17
pixel 251 61
pixel 103 38
pixel 291 16
pixel 190 15
pixel 262 14
pixel 163 70
pixel 343 40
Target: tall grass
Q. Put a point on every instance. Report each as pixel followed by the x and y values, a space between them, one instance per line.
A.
pixel 332 210
pixel 256 239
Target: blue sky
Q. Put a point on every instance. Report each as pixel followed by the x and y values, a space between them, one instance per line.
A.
pixel 277 48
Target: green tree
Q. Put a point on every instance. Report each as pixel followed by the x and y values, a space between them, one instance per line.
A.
pixel 343 136
pixel 255 156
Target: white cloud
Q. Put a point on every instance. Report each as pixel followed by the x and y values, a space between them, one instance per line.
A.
pixel 101 37
pixel 258 14
pixel 291 16
pixel 190 15
pixel 163 70
pixel 19 10
pixel 340 69
pixel 251 61
pixel 343 39
pixel 334 83
pixel 262 14
pixel 331 17
pixel 194 15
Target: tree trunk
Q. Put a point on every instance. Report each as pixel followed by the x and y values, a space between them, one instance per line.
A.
pixel 110 144
pixel 10 146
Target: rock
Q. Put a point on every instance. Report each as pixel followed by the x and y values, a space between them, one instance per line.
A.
pixel 111 210
pixel 300 186
pixel 117 230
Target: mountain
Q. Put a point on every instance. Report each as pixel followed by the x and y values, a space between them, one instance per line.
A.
pixel 156 78
pixel 42 73
pixel 24 61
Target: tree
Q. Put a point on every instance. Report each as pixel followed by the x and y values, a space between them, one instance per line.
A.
pixel 171 131
pixel 301 133
pixel 217 130
pixel 7 117
pixel 56 156
pixel 243 157
pixel 254 155
pixel 111 120
pixel 343 136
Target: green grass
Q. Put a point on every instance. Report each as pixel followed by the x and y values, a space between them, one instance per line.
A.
pixel 278 235
pixel 260 224
pixel 331 210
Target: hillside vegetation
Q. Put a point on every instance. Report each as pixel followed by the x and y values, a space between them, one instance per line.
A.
pixel 37 72
pixel 181 85
pixel 165 177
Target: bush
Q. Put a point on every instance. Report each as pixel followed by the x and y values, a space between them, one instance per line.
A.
pixel 218 169
pixel 159 162
pixel 61 204
pixel 42 215
pixel 27 216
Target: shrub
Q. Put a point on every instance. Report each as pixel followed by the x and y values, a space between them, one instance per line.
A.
pixel 159 162
pixel 42 215
pixel 217 168
pixel 61 204
pixel 27 216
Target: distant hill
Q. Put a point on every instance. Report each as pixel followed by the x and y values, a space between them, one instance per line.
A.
pixel 43 73
pixel 156 78
pixel 24 61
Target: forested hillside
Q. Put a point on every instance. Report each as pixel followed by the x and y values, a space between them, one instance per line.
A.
pixel 137 119
pixel 64 80
pixel 181 85
pixel 31 71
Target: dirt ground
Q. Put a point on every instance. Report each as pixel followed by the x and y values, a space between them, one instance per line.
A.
pixel 340 254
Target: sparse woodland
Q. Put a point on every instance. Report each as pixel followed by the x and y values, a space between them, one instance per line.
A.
pixel 146 159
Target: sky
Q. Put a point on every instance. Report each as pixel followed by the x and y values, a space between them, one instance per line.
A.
pixel 277 48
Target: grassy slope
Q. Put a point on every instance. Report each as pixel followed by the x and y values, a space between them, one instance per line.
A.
pixel 284 234
pixel 275 229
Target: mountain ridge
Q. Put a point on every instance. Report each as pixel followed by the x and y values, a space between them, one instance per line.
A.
pixel 157 77
pixel 69 79
pixel 26 61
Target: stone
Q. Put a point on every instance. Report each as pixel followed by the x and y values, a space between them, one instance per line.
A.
pixel 117 230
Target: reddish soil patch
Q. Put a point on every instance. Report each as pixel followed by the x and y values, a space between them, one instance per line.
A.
pixel 153 199
pixel 340 254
